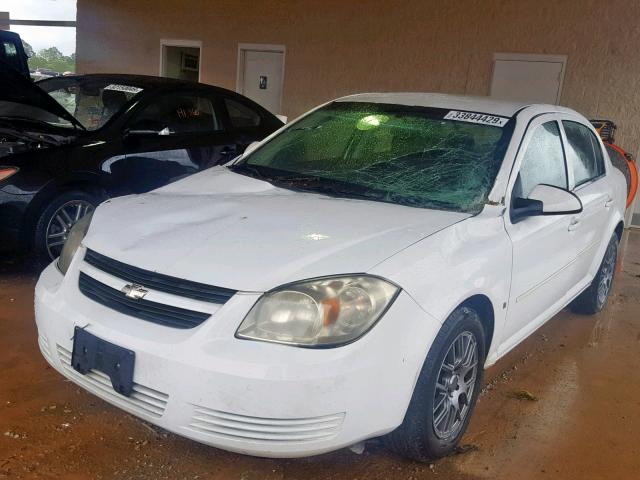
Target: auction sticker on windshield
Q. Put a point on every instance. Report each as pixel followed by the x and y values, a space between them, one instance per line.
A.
pixel 472 117
pixel 123 88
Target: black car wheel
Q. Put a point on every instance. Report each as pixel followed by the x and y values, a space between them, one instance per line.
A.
pixel 56 220
pixel 446 391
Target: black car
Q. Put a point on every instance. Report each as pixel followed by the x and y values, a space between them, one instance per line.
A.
pixel 67 143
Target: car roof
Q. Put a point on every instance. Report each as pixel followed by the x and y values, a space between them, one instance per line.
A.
pixel 454 102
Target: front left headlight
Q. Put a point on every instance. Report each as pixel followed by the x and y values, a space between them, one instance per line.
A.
pixel 73 242
pixel 324 312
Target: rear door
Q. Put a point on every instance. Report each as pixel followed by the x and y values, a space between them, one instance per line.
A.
pixel 543 246
pixel 587 179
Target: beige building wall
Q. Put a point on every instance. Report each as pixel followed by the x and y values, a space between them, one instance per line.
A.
pixel 336 47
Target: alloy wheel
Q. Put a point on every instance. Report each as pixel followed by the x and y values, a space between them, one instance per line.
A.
pixel 455 386
pixel 606 275
pixel 61 222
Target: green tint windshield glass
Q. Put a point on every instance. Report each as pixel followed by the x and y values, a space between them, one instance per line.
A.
pixel 406 155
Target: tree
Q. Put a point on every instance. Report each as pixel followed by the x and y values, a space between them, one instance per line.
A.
pixel 28 49
pixel 51 54
pixel 53 59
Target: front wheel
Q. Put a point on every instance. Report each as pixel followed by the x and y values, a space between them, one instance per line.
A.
pixel 56 220
pixel 595 297
pixel 446 391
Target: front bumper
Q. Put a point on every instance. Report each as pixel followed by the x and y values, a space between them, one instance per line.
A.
pixel 244 396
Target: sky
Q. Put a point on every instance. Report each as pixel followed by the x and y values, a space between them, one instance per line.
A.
pixel 44 37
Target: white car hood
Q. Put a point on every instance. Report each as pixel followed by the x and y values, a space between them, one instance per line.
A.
pixel 232 231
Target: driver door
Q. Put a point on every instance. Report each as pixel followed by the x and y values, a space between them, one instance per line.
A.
pixel 544 249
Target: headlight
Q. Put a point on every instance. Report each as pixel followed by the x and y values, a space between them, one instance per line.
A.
pixel 319 313
pixel 76 235
pixel 6 172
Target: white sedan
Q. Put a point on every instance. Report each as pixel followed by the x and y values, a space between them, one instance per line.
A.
pixel 347 278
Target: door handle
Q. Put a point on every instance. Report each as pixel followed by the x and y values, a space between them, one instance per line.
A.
pixel 574 224
pixel 609 201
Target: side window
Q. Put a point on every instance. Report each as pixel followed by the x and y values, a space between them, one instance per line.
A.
pixel 240 115
pixel 543 161
pixel 10 54
pixel 181 113
pixel 584 155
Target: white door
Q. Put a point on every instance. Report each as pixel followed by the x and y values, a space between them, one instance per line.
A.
pixel 543 246
pixel 531 78
pixel 262 78
pixel 585 161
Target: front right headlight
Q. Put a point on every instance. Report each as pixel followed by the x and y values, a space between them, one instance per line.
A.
pixel 74 240
pixel 322 312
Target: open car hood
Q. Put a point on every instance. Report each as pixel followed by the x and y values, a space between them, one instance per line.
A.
pixel 18 89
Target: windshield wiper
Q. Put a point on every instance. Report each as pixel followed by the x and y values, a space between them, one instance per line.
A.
pixel 246 169
pixel 257 172
pixel 315 184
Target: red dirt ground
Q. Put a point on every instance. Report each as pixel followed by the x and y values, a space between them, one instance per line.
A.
pixel 583 424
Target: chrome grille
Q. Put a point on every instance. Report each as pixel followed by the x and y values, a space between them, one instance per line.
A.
pixel 158 281
pixel 159 313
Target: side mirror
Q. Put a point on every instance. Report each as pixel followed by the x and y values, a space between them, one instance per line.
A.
pixel 545 200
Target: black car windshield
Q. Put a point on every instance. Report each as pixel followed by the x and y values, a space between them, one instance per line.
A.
pixel 92 101
pixel 421 157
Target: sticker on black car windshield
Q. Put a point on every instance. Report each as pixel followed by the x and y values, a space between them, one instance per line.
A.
pixel 123 88
pixel 481 118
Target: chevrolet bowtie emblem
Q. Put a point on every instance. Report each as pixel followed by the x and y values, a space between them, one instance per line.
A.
pixel 134 291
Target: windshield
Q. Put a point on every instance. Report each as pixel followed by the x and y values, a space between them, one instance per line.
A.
pixel 422 157
pixel 92 101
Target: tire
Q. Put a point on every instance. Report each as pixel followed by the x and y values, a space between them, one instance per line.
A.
pixel 419 437
pixel 56 219
pixel 595 297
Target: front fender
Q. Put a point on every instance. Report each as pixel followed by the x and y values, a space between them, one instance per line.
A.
pixel 468 258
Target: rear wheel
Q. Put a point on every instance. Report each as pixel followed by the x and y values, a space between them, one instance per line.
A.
pixel 446 391
pixel 56 220
pixel 595 297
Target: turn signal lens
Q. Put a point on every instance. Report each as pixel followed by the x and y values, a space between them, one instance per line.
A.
pixel 6 172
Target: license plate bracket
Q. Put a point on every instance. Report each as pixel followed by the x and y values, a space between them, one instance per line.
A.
pixel 93 353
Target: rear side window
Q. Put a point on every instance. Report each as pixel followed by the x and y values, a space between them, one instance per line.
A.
pixel 543 161
pixel 181 113
pixel 584 155
pixel 240 115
